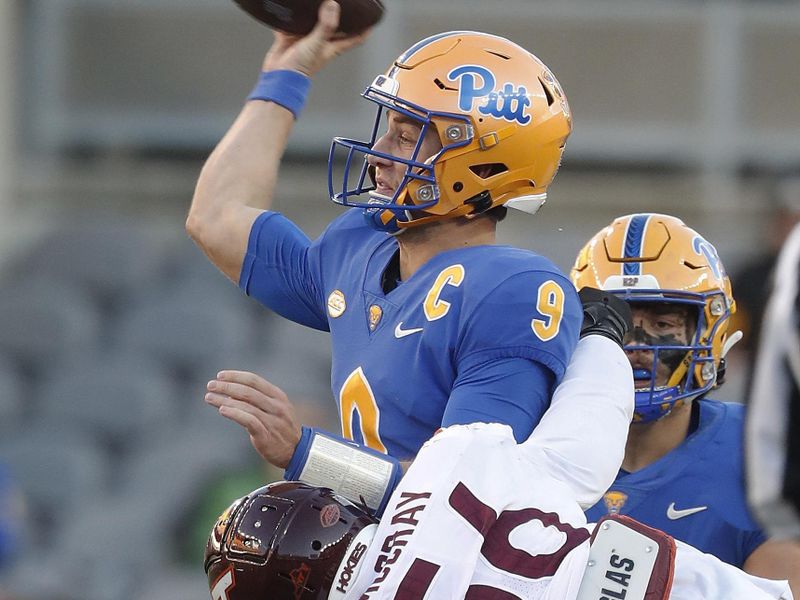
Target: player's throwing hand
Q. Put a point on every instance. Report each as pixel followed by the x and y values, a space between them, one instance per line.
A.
pixel 310 53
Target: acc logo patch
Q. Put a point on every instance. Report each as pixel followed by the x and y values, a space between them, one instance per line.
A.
pixel 479 83
pixel 329 515
pixel 614 501
pixel 336 304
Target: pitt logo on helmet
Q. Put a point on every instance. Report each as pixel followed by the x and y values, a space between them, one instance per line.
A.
pixel 509 103
pixel 704 248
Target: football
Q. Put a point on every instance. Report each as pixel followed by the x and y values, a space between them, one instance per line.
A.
pixel 299 16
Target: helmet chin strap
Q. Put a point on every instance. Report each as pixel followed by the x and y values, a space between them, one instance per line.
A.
pixel 732 340
pixel 723 364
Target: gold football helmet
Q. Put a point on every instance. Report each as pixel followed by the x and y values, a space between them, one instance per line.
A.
pixel 501 117
pixel 652 258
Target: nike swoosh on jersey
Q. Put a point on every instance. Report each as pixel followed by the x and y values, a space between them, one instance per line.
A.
pixel 399 332
pixel 675 513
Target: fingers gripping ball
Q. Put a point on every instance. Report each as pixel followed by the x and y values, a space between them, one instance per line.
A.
pixel 299 16
pixel 605 314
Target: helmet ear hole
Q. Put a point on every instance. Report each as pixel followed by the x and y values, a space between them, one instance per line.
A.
pixel 487 170
pixel 316 545
pixel 548 94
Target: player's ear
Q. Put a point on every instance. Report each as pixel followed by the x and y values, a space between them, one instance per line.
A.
pixel 483 171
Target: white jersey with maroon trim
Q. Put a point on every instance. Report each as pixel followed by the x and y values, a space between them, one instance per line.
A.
pixel 480 517
pixel 457 527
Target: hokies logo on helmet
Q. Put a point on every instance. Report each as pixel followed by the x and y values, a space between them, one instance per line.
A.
pixel 477 83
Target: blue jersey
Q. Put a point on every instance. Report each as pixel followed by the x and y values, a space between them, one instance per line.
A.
pixel 696 492
pixel 476 334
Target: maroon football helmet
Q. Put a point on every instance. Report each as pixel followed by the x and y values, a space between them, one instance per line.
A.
pixel 285 541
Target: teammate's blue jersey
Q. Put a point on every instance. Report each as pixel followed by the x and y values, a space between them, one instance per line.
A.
pixel 476 334
pixel 696 492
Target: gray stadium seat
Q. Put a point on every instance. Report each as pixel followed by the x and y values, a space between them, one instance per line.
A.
pixel 109 259
pixel 184 337
pixel 187 270
pixel 188 277
pixel 58 469
pixel 174 584
pixel 38 576
pixel 298 359
pixel 42 322
pixel 176 466
pixel 110 546
pixel 103 552
pixel 12 401
pixel 118 399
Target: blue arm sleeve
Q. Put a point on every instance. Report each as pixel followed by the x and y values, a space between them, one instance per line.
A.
pixel 513 391
pixel 282 271
pixel 749 541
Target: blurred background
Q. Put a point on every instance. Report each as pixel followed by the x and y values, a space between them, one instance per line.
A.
pixel 112 468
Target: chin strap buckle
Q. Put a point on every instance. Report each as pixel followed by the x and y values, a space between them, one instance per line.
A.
pixel 480 203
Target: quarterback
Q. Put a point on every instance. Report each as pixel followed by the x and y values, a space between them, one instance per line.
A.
pixel 432 324
pixel 683 466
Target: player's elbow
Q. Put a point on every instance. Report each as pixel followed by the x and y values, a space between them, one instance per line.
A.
pixel 204 229
pixel 222 234
pixel 199 230
pixel 207 202
pixel 196 226
pixel 201 220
